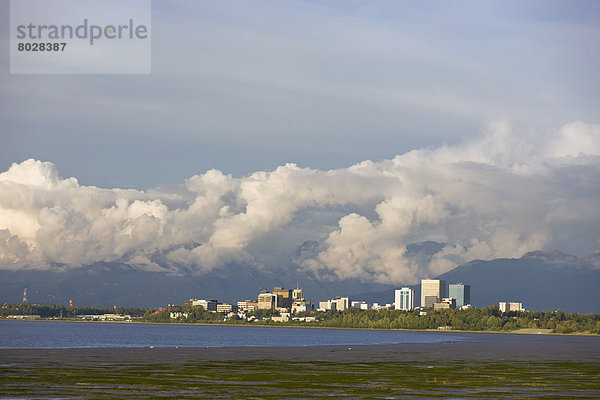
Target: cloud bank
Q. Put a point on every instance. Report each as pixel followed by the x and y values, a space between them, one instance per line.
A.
pixel 500 195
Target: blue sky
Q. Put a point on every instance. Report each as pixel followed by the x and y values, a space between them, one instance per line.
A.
pixel 326 84
pixel 357 126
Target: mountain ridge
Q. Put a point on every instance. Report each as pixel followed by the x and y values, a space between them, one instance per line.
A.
pixel 529 279
pixel 533 279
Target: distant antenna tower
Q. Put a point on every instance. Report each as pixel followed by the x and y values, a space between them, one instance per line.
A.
pixel 25 295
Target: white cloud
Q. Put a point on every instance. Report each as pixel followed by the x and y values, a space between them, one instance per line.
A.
pixel 501 195
pixel 574 139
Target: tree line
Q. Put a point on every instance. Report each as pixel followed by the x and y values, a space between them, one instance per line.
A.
pixel 472 319
pixel 58 311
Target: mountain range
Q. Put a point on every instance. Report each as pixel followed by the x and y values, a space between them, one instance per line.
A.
pixel 105 284
pixel 541 280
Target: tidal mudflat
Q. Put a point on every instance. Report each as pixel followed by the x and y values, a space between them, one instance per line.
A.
pixel 492 366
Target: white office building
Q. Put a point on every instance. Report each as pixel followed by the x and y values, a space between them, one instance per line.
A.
pixel 404 299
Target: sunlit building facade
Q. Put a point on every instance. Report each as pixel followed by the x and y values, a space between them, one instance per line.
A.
pixel 404 299
pixel 432 291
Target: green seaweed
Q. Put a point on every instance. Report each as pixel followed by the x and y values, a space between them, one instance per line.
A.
pixel 268 379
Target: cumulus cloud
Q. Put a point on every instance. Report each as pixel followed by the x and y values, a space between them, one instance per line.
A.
pixel 500 195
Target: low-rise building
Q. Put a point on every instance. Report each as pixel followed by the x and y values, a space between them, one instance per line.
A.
pixel 506 306
pixel 446 303
pixel 107 317
pixel 301 306
pixel 377 306
pixel 283 317
pixel 208 305
pixel 247 305
pixel 189 303
pixel 326 305
pixel 337 303
pixel 363 305
pixel 226 308
pixel 304 319
pixel 429 301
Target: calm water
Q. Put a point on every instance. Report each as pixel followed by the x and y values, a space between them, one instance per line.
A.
pixel 51 334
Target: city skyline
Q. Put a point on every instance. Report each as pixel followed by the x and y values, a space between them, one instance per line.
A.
pixel 378 143
pixel 300 198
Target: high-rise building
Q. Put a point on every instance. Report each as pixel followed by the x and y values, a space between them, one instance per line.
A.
pixel 284 297
pixel 267 300
pixel 432 291
pixel 342 303
pixel 404 299
pixel 297 294
pixel 460 292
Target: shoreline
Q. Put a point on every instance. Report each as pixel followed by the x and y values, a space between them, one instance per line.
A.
pixel 521 331
pixel 479 348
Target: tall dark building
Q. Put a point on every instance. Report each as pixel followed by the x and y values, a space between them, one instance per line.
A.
pixel 460 292
pixel 284 297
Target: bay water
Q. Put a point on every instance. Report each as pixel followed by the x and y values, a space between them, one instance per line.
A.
pixel 67 334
